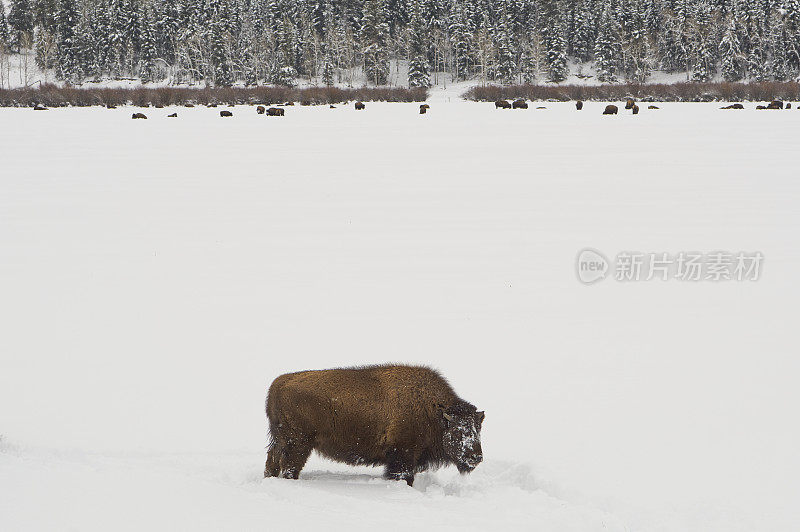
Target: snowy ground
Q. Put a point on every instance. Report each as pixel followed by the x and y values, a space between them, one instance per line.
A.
pixel 156 275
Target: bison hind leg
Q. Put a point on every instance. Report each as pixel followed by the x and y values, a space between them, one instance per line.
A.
pixel 272 467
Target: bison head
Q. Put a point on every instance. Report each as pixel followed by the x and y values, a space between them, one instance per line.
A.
pixel 461 439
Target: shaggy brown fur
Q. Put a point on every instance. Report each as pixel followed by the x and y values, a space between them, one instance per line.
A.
pixel 519 104
pixel 406 418
pixel 579 105
pixel 275 111
pixel 225 113
pixel 777 104
pixel 629 103
pixel 423 110
pixel 139 115
pixel 733 106
pixel 611 110
pixel 502 104
pixel 788 106
pixel 261 109
pixel 760 107
pixel 360 106
pixel 635 109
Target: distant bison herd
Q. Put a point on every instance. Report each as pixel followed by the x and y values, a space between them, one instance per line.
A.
pixel 519 103
pixel 632 106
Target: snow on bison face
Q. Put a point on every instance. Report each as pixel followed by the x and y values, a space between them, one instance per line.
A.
pixel 462 438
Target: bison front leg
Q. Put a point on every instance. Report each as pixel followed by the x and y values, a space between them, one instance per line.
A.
pixel 294 457
pixel 400 465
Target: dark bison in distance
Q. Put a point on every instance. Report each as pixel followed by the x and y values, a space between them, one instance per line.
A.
pixel 502 104
pixel 360 106
pixel 275 111
pixel 611 110
pixel 405 418
pixel 579 105
pixel 519 104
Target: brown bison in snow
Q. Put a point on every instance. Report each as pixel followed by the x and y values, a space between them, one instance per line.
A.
pixel 611 110
pixel 733 106
pixel 261 109
pixel 777 104
pixel 579 105
pixel 629 103
pixel 760 107
pixel 225 113
pixel 502 104
pixel 653 107
pixel 405 418
pixel 788 106
pixel 173 115
pixel 519 104
pixel 635 109
pixel 360 106
pixel 139 115
pixel 275 111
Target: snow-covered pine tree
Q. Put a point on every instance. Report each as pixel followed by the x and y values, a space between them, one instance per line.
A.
pixel 608 46
pixel 778 68
pixel 4 37
pixel 554 43
pixel 505 66
pixel 147 48
pixel 583 40
pixel 20 23
pixel 418 75
pixel 460 41
pixel 68 53
pixel 731 53
pixel 374 42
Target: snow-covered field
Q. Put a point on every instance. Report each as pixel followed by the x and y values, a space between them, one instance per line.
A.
pixel 156 275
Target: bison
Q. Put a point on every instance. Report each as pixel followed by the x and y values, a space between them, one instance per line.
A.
pixel 733 106
pixel 579 105
pixel 110 106
pixel 502 104
pixel 611 110
pixel 629 103
pixel 653 107
pixel 261 109
pixel 139 115
pixel 519 104
pixel 225 113
pixel 760 107
pixel 360 106
pixel 173 115
pixel 275 111
pixel 40 107
pixel 788 106
pixel 635 109
pixel 777 104
pixel 405 418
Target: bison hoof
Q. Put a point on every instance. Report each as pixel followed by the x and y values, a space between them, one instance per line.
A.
pixel 400 475
pixel 291 473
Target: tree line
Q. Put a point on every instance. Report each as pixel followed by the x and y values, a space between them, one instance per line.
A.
pixel 253 42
